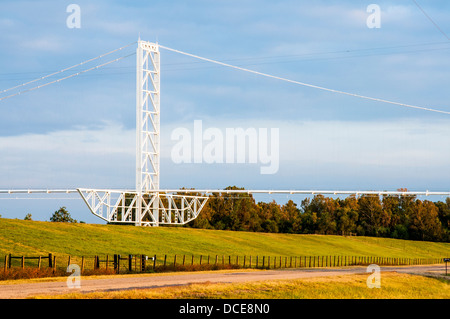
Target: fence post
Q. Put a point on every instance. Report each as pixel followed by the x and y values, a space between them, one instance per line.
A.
pixel 154 262
pixel 143 263
pixel 50 260
pixel 217 259
pixel 82 264
pixel 165 258
pixel 175 260
pixel 130 263
pixel 201 257
pixel 54 263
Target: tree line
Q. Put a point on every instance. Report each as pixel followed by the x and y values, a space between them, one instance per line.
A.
pixel 402 216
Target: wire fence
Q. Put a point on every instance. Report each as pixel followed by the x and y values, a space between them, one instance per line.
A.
pixel 119 263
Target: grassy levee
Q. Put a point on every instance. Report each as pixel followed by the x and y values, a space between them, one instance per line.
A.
pixel 31 238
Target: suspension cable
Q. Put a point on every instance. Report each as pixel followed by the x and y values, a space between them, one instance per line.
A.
pixel 302 83
pixel 67 77
pixel 66 69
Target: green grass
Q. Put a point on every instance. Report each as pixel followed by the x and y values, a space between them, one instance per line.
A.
pixel 31 238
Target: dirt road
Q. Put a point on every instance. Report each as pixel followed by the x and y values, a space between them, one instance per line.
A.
pixel 20 291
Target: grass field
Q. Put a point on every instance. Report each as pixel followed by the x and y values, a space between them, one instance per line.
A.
pixel 393 286
pixel 31 238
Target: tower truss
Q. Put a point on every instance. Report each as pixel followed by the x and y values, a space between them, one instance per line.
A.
pixel 145 206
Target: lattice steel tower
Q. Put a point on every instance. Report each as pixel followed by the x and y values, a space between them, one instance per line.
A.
pixel 148 75
pixel 146 205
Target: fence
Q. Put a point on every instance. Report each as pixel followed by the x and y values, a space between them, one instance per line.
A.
pixel 144 263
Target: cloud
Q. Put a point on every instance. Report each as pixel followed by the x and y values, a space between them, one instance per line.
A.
pixel 383 154
pixel 44 44
pixel 69 158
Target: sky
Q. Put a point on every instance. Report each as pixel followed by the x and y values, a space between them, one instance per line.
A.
pixel 80 132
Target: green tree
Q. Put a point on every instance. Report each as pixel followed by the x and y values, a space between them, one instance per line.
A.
pixel 319 215
pixel 309 217
pixel 62 215
pixel 406 207
pixel 270 214
pixel 347 216
pixel 27 217
pixel 370 214
pixel 444 217
pixel 425 224
pixel 290 221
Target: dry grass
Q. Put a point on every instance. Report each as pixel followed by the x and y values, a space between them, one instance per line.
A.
pixel 17 273
pixel 393 286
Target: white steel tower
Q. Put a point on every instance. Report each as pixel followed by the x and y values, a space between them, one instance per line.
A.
pixel 148 74
pixel 146 205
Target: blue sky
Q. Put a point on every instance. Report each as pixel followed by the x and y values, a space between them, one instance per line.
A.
pixel 81 131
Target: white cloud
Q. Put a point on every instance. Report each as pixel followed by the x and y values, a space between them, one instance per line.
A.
pixel 43 44
pixel 400 144
pixel 69 158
